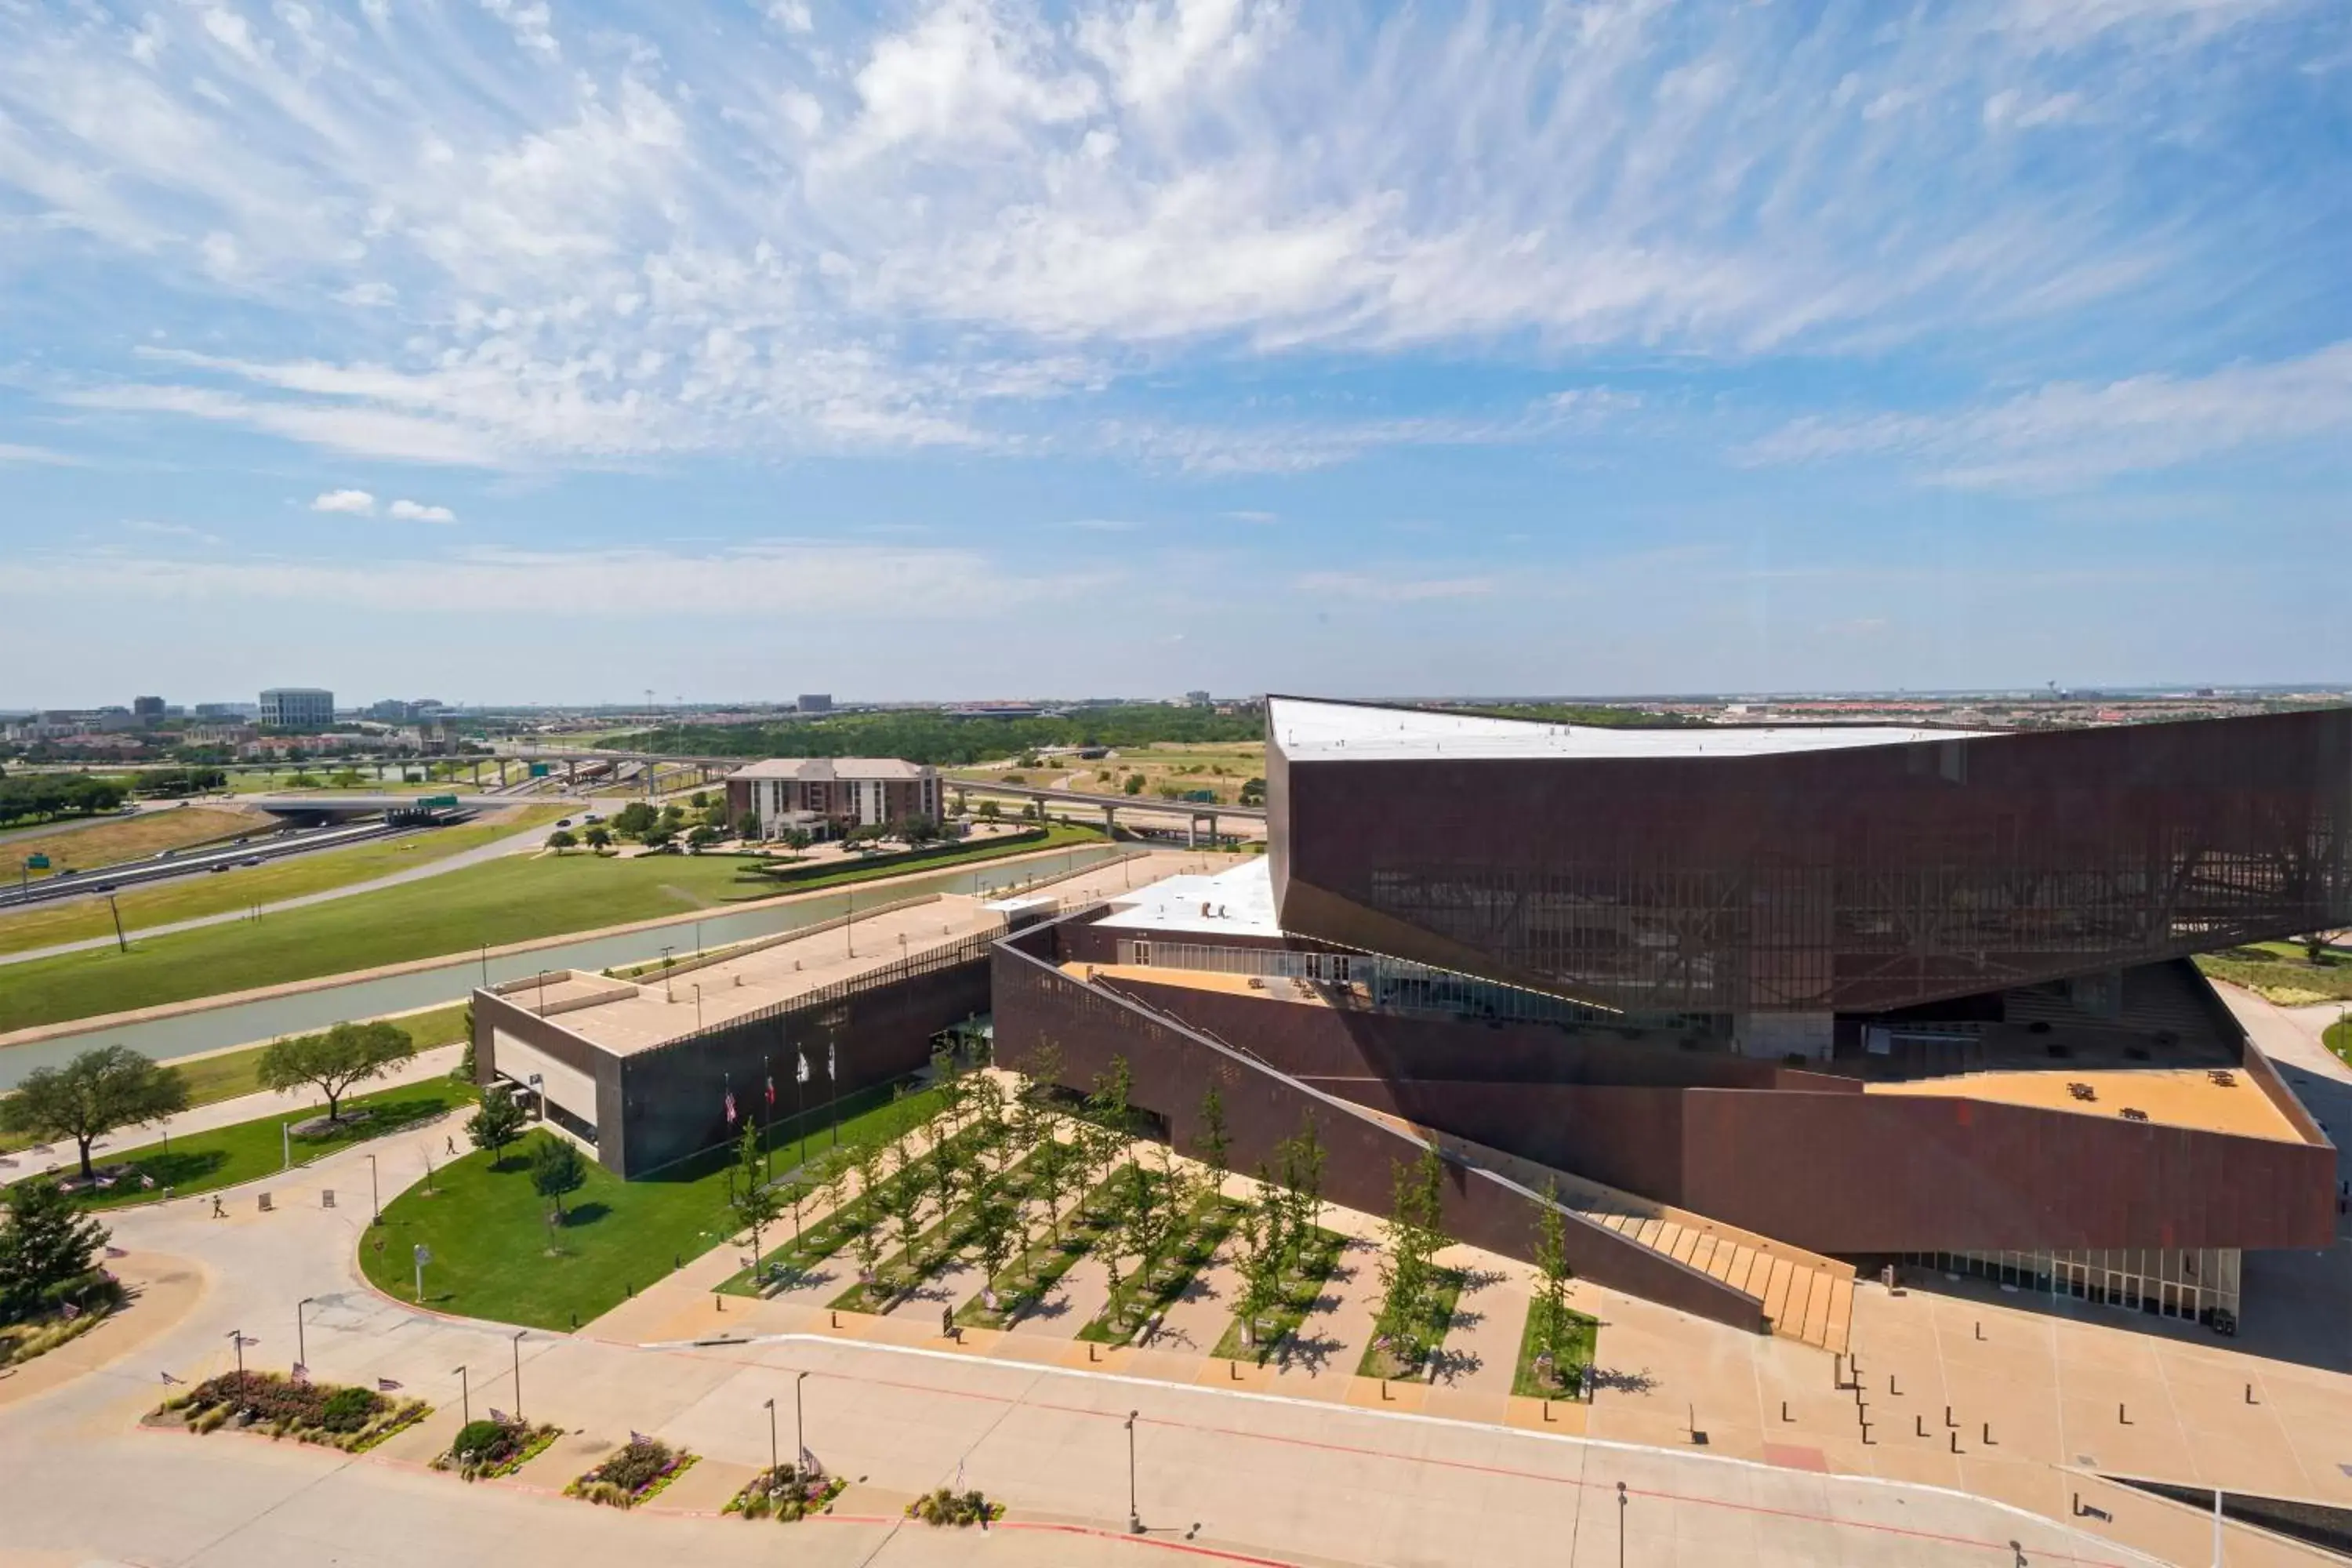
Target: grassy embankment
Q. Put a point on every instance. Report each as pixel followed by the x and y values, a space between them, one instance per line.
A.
pixel 231 1074
pixel 518 899
pixel 2339 1040
pixel 491 1244
pixel 111 840
pixel 247 886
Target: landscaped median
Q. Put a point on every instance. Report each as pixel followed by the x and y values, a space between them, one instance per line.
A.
pixel 338 1416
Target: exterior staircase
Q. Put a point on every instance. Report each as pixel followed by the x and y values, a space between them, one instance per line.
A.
pixel 1805 1296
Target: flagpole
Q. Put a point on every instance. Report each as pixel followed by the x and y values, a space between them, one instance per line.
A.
pixel 800 1101
pixel 768 1133
pixel 831 1091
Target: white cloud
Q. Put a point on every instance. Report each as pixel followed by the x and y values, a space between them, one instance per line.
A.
pixel 170 530
pixel 1404 584
pixel 359 504
pixel 417 511
pixel 2068 434
pixel 826 582
pixel 1104 524
pixel 12 453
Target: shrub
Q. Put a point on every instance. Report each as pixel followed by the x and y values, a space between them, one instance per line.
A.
pixel 945 1506
pixel 480 1442
pixel 349 1409
pixel 639 1468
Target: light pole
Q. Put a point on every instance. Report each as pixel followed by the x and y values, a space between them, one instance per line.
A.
pixel 301 1342
pixel 775 1465
pixel 286 1144
pixel 375 1205
pixel 1621 1524
pixel 1134 1519
pixel 464 1396
pixel 236 1338
pixel 518 1371
pixel 667 994
pixel 698 1005
pixel 800 1426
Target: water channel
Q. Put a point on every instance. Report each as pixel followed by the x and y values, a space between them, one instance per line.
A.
pixel 210 1029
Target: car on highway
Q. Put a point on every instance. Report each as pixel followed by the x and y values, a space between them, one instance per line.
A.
pixel 255 861
pixel 562 822
pixel 222 865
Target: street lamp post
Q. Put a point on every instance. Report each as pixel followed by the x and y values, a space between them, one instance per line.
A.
pixel 800 1426
pixel 775 1465
pixel 301 1342
pixel 236 1338
pixel 286 1144
pixel 375 1204
pixel 464 1396
pixel 1134 1519
pixel 518 1371
pixel 1621 1524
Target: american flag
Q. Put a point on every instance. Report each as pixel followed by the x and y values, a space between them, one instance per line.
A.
pixel 169 1379
pixel 301 1372
pixel 498 1415
pixel 772 1091
pixel 387 1385
pixel 731 1108
pixel 116 1252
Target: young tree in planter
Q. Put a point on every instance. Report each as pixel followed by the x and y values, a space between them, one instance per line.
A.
pixel 946 1174
pixel 92 1095
pixel 498 1123
pixel 902 1196
pixel 1042 1075
pixel 331 1063
pixel 556 1169
pixel 1553 1275
pixel 994 1218
pixel 1263 1245
pixel 48 1250
pixel 1302 1178
pixel 1407 1274
pixel 1216 1141
pixel 752 1202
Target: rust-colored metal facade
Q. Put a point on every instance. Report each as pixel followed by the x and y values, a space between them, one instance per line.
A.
pixel 1856 879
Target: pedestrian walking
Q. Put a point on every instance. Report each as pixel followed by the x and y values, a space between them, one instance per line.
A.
pixel 218 1212
pixel 947 1322
pixel 451 1141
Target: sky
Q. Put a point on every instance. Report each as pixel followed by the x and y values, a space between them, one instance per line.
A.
pixel 515 350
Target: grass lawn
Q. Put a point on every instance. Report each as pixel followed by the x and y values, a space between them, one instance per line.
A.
pixel 515 898
pixel 250 1150
pixel 1304 1288
pixel 2339 1039
pixel 2278 972
pixel 230 1074
pixel 111 840
pixel 247 886
pixel 1058 836
pixel 1575 1353
pixel 488 1234
pixel 1445 1290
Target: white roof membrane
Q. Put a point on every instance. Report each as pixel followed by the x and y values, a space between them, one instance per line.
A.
pixel 1337 732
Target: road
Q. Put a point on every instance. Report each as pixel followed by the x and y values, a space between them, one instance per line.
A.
pixel 1221 1475
pixel 515 843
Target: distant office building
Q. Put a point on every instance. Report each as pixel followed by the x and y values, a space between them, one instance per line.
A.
pixel 813 703
pixel 1198 699
pixel 225 710
pixel 297 707
pixel 832 794
pixel 147 710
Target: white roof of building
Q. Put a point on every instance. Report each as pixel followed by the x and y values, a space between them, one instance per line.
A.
pixel 1329 731
pixel 816 769
pixel 1238 901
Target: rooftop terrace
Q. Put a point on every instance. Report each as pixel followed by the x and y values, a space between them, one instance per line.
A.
pixel 1342 732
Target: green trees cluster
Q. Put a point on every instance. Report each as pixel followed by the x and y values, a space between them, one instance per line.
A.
pixel 947 739
pixel 498 1122
pixel 90 1096
pixel 48 1253
pixel 1551 1323
pixel 334 1062
pixel 1276 1226
pixel 55 794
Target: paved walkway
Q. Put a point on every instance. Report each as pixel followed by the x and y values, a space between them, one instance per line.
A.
pixel 522 841
pixel 1240 1477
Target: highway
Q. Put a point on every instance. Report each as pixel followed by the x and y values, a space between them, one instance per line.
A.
pixel 266 844
pixel 1129 803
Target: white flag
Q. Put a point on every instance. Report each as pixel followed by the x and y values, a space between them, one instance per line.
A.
pixel 804 1061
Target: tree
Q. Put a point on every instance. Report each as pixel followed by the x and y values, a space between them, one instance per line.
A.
pixel 1215 1141
pixel 701 836
pixel 699 799
pixel 989 810
pixel 332 1062
pixel 1553 1277
pixel 347 778
pixel 90 1096
pixel 633 819
pixel 1264 1246
pixel 656 836
pixel 48 1250
pixel 798 839
pixel 1042 1074
pixel 747 826
pixel 1408 1273
pixel 561 839
pixel 871 1175
pixel 1134 784
pixel 1302 1175
pixel 753 1203
pixel 993 1218
pixel 498 1123
pixel 556 1168
pixel 600 838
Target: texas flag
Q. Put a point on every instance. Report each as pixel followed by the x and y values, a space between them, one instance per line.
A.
pixel 772 1091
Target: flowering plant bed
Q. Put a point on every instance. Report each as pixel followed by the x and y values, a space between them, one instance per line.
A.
pixel 485 1450
pixel 23 1341
pixel 634 1472
pixel 962 1510
pixel 336 1414
pixel 788 1494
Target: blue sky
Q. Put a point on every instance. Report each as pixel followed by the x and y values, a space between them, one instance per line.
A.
pixel 535 350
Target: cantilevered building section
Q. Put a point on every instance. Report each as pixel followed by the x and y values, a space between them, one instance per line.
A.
pixel 1762 1005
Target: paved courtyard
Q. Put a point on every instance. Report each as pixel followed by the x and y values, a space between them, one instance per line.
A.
pixel 1299 1463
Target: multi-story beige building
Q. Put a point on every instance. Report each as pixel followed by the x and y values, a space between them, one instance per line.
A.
pixel 831 794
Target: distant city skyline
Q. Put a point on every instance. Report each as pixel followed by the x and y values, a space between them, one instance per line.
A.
pixel 550 353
